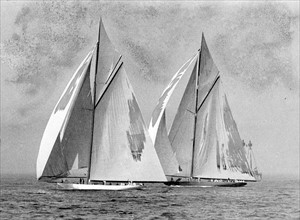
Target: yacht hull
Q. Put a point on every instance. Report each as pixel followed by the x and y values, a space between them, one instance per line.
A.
pixel 96 187
pixel 205 184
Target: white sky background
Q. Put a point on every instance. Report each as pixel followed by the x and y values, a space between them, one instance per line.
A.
pixel 254 45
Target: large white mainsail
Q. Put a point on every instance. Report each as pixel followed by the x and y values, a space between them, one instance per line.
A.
pixel 97 127
pixel 68 130
pixel 203 134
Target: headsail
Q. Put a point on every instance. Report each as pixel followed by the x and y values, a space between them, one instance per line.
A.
pixel 122 148
pixel 218 152
pixel 164 150
pixel 182 130
pixel 66 133
pixel 157 127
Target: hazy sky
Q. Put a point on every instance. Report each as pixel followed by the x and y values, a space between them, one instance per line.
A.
pixel 255 46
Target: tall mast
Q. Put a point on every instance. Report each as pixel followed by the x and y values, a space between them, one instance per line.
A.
pixel 196 104
pixel 94 104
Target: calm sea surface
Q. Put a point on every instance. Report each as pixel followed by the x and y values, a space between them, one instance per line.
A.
pixel 25 198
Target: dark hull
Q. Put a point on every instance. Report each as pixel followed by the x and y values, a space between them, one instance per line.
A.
pixel 205 184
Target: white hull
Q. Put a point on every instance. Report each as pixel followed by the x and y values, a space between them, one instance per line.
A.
pixel 70 186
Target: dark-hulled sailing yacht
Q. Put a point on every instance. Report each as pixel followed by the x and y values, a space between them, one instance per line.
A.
pixel 203 146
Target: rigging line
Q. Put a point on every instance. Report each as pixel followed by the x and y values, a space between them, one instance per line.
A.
pixel 110 74
pixel 106 88
pixel 109 77
pixel 218 76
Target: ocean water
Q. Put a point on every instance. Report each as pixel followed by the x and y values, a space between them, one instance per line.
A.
pixel 25 198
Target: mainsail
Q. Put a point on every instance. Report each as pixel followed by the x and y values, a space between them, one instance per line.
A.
pixel 97 127
pixel 204 135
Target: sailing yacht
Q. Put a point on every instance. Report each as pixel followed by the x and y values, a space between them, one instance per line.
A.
pixel 252 162
pixel 96 133
pixel 203 146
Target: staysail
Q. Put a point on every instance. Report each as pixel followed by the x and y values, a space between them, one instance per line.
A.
pixel 67 133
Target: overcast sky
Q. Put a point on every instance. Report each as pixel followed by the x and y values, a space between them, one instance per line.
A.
pixel 255 46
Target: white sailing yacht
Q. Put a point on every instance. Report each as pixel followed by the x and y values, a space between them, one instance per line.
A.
pixel 96 133
pixel 203 146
